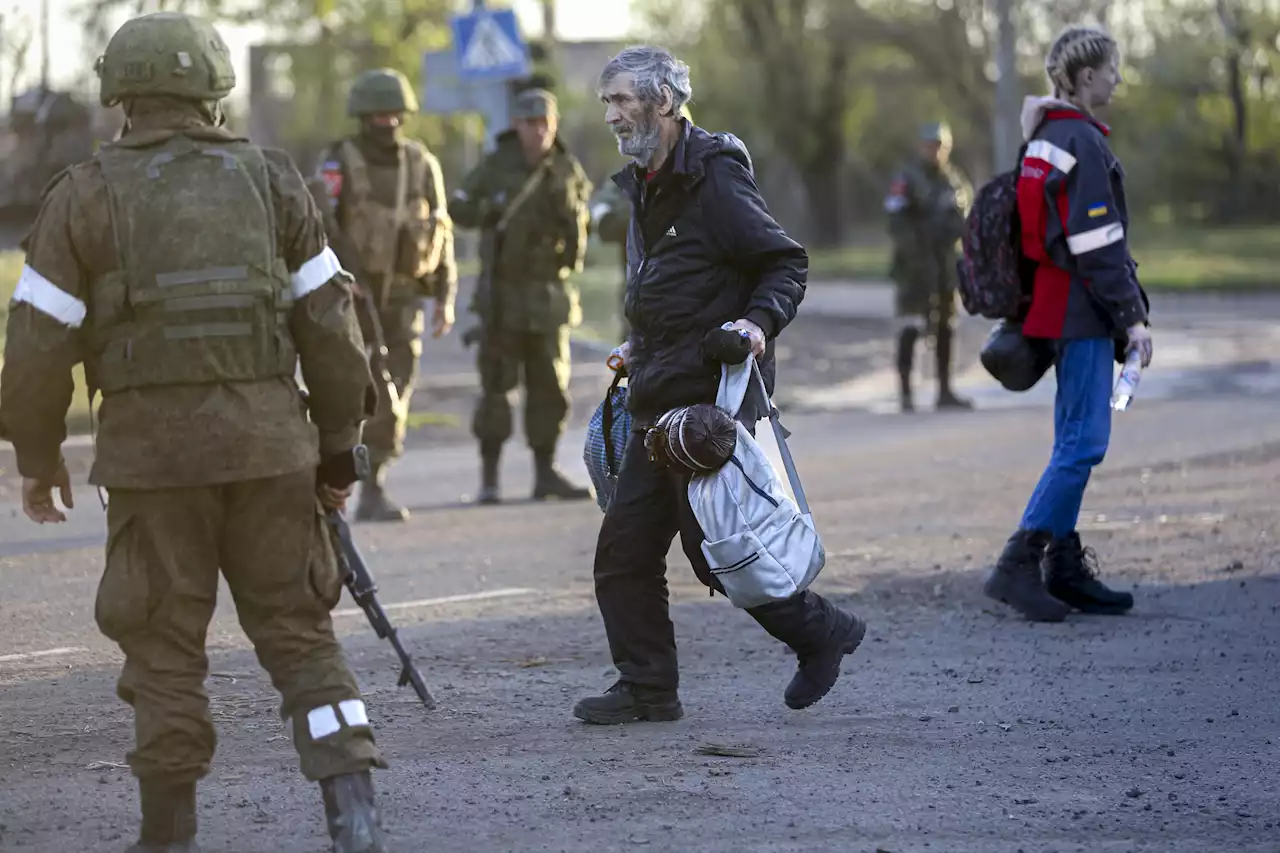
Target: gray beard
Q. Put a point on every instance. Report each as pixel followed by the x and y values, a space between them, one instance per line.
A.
pixel 642 144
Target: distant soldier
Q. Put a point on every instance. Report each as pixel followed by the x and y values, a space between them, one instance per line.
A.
pixel 529 197
pixel 927 204
pixel 188 269
pixel 384 199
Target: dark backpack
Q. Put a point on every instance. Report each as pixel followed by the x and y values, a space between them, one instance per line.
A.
pixel 995 277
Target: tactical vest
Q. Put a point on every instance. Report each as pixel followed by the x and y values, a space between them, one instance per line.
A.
pixel 201 295
pixel 391 239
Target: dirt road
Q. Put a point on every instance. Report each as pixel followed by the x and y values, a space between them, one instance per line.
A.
pixel 956 727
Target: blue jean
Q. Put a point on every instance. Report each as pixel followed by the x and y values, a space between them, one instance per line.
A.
pixel 1081 432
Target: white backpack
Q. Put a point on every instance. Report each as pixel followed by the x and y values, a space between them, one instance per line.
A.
pixel 762 545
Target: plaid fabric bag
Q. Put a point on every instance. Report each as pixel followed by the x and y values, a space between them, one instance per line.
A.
pixel 607 435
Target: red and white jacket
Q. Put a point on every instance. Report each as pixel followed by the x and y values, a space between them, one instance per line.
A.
pixel 1074 227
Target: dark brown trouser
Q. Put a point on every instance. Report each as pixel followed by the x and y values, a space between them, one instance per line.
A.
pixel 157 595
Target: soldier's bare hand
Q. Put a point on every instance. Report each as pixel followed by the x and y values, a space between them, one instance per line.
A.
pixel 37 497
pixel 443 319
pixel 754 333
pixel 334 499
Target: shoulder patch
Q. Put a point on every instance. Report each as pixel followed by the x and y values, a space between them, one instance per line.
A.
pixel 899 186
pixel 330 173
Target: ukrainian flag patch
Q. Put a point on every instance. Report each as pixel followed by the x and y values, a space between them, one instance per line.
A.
pixel 1097 210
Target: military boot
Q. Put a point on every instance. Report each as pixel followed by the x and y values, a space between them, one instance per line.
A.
pixel 1016 579
pixel 549 482
pixel 947 399
pixel 489 458
pixel 626 703
pixel 374 504
pixel 1071 576
pixel 168 817
pixel 906 359
pixel 820 634
pixel 352 814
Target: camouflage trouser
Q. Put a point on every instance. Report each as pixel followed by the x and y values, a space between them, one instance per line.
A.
pixel 403 325
pixel 544 361
pixel 157 595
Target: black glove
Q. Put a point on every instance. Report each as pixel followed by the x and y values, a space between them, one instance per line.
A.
pixel 338 470
pixel 726 345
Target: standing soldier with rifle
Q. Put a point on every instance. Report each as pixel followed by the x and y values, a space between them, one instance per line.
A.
pixel 529 198
pixel 927 204
pixel 384 200
pixel 188 269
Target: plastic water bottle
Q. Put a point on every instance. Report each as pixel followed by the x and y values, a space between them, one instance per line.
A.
pixel 1127 384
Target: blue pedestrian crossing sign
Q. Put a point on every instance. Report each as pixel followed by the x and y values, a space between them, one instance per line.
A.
pixel 488 45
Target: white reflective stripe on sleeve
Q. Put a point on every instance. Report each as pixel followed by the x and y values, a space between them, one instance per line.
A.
pixel 1041 149
pixel 47 298
pixel 598 212
pixel 322 722
pixel 1091 241
pixel 315 273
pixel 353 712
pixel 894 203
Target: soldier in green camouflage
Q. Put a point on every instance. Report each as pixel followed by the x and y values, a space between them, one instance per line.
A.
pixel 384 203
pixel 530 195
pixel 188 269
pixel 927 204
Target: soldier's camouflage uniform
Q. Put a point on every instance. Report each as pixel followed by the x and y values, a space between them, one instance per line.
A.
pixel 534 302
pixel 188 269
pixel 927 204
pixel 388 221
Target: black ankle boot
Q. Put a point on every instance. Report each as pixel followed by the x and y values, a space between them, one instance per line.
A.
pixel 820 634
pixel 947 399
pixel 352 814
pixel 168 817
pixel 1016 580
pixel 627 703
pixel 906 359
pixel 549 482
pixel 490 456
pixel 1071 576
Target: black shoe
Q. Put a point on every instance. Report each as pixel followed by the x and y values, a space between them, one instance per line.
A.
pixel 549 482
pixel 1071 576
pixel 819 670
pixel 351 814
pixel 949 400
pixel 626 703
pixel 374 505
pixel 168 817
pixel 489 496
pixel 1016 579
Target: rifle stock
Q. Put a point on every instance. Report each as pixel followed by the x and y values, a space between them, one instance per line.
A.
pixel 484 303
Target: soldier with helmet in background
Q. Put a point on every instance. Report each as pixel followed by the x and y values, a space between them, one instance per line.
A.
pixel 188 269
pixel 384 200
pixel 529 200
pixel 927 204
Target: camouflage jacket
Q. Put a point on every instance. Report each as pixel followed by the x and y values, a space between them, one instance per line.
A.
pixel 170 436
pixel 382 228
pixel 544 240
pixel 927 205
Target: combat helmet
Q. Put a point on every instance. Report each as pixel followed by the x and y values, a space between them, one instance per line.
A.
pixel 165 53
pixel 382 90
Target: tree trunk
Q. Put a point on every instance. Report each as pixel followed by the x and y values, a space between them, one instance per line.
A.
pixel 1237 145
pixel 822 184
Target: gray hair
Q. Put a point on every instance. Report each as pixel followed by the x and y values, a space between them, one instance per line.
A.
pixel 652 67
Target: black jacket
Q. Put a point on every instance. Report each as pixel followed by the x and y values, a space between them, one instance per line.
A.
pixel 703 250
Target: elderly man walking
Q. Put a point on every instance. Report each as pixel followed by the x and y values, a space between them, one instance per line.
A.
pixel 702 251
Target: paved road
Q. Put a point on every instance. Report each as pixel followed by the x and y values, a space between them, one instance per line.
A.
pixel 955 727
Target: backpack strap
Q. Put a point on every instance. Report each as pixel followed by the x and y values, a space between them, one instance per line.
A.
pixel 781 434
pixel 735 381
pixel 606 422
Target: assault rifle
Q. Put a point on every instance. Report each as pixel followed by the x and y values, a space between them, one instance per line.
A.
pixel 485 302
pixel 355 574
